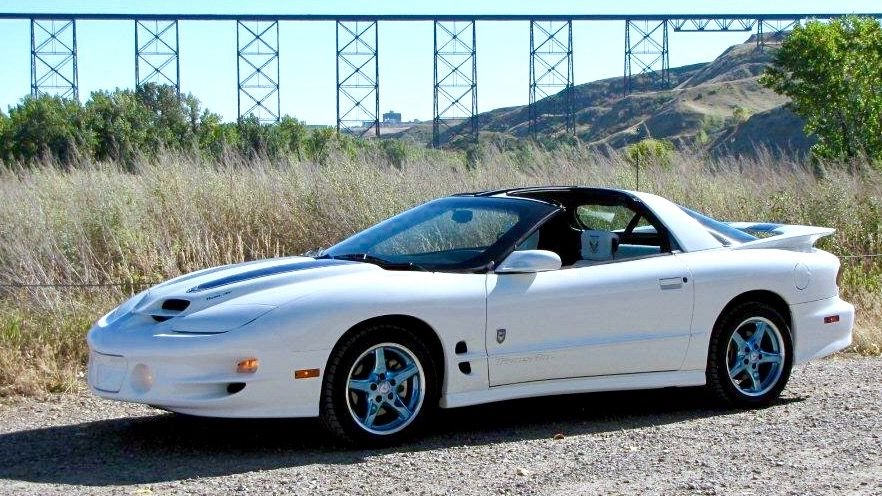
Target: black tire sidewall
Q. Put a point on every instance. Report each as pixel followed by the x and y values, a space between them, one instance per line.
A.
pixel 718 370
pixel 335 390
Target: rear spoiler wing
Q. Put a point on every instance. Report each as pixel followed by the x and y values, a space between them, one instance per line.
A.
pixel 781 236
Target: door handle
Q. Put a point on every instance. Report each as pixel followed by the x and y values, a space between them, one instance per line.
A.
pixel 672 282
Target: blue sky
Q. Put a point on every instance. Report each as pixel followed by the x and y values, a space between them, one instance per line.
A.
pixel 307 50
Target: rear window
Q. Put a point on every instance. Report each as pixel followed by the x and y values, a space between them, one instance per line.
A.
pixel 724 233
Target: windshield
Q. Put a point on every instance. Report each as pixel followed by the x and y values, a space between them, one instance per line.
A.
pixel 725 234
pixel 454 233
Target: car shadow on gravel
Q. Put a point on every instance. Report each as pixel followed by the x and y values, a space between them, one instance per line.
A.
pixel 168 447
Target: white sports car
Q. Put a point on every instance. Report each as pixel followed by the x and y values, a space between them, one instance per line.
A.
pixel 482 297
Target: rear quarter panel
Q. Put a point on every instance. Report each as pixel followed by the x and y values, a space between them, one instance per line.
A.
pixel 722 275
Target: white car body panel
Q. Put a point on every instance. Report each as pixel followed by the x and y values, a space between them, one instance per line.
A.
pixel 632 324
pixel 585 321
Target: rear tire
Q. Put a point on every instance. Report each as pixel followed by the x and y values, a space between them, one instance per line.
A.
pixel 380 385
pixel 750 355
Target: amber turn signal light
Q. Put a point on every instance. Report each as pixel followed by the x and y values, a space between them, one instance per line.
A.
pixel 306 373
pixel 247 366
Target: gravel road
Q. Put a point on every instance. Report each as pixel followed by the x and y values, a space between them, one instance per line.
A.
pixel 824 436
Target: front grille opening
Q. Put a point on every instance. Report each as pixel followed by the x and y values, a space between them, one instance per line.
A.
pixel 465 368
pixel 160 318
pixel 235 387
pixel 461 348
pixel 175 305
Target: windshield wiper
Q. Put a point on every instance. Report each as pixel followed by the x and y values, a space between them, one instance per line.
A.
pixel 386 264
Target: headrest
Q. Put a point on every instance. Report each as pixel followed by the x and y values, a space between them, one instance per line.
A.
pixel 599 245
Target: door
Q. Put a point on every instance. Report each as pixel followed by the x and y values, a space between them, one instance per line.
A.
pixel 612 318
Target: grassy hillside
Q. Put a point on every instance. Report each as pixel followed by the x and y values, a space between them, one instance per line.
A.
pixel 717 106
pixel 85 228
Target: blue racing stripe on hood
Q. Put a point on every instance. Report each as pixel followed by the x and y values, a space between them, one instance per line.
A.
pixel 267 271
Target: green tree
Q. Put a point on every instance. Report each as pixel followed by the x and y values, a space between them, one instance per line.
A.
pixel 47 126
pixel 318 144
pixel 215 138
pixel 833 75
pixel 5 140
pixel 650 151
pixel 120 123
pixel 174 118
pixel 256 138
pixel 294 135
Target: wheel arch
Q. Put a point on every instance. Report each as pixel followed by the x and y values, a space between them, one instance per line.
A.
pixel 417 326
pixel 718 374
pixel 770 298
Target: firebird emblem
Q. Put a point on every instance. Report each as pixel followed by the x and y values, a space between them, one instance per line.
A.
pixel 500 335
pixel 593 244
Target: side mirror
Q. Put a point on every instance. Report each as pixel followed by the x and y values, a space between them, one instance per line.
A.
pixel 529 261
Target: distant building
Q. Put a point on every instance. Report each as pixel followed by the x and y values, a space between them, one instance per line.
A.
pixel 391 118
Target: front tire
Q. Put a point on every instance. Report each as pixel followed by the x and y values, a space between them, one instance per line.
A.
pixel 379 387
pixel 750 356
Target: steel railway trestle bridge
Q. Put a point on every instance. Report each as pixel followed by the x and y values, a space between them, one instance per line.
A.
pixel 646 61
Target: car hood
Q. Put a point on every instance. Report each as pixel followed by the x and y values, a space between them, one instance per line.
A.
pixel 225 297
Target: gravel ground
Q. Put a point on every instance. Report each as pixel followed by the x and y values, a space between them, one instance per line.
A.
pixel 824 436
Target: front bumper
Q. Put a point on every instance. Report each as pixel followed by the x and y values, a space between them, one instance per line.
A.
pixel 196 374
pixel 813 338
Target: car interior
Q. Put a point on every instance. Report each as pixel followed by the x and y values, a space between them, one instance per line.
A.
pixel 596 227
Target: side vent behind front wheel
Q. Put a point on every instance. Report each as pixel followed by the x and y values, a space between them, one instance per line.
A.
pixel 461 349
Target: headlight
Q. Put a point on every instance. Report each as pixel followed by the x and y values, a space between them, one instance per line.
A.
pixel 123 309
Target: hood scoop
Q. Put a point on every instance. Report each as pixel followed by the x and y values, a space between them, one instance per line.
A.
pixel 171 307
pixel 175 305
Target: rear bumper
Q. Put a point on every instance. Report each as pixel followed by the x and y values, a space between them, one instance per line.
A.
pixel 813 338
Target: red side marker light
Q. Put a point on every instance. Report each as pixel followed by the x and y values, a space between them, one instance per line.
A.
pixel 830 319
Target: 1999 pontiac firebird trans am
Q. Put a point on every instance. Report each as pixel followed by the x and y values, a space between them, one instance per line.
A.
pixel 482 297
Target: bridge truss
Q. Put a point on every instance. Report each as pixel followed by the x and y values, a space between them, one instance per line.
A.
pixel 54 58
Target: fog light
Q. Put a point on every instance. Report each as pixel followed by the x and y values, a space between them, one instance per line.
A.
pixel 142 378
pixel 247 366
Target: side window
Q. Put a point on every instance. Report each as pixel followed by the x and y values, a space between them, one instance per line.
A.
pixel 604 217
pixel 531 243
pixel 616 232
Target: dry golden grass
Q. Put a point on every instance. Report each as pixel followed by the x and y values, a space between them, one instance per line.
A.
pixel 99 224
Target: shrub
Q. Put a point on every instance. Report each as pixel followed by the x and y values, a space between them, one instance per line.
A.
pixel 395 151
pixel 649 152
pixel 741 114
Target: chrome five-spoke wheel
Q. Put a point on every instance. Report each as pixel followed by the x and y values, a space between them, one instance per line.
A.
pixel 385 388
pixel 750 354
pixel 381 384
pixel 755 356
